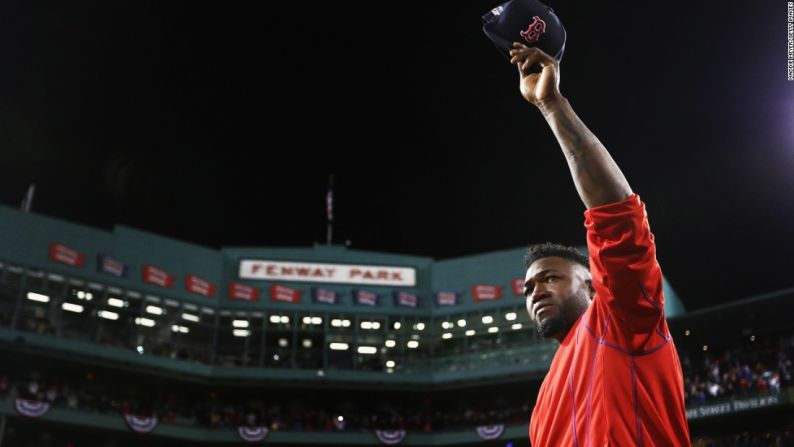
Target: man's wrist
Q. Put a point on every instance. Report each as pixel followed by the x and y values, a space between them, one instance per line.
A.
pixel 552 105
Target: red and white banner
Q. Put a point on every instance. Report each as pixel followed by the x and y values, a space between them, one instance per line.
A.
pixel 31 408
pixel 327 273
pixel 239 291
pixel 152 274
pixel 483 292
pixel 324 296
pixel 446 298
pixel 141 424
pixel 253 434
pixel 406 299
pixel 196 285
pixel 366 298
pixel 518 287
pixel 63 254
pixel 489 432
pixel 390 437
pixel 285 294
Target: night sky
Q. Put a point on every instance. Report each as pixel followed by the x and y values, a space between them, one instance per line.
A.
pixel 219 124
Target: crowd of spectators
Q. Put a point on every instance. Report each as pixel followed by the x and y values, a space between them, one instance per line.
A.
pixel 757 366
pixel 215 411
pixel 747 369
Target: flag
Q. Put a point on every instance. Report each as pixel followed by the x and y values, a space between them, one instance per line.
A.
pixel 154 275
pixel 406 299
pixel 239 291
pixel 286 294
pixel 63 254
pixel 324 296
pixel 518 286
pixel 196 285
pixel 446 298
pixel 110 266
pixel 483 292
pixel 366 298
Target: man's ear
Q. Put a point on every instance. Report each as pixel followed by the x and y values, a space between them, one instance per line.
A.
pixel 590 287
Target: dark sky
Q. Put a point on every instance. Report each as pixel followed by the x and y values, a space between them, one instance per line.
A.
pixel 220 123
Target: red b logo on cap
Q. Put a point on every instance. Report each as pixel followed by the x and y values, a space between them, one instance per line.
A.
pixel 536 28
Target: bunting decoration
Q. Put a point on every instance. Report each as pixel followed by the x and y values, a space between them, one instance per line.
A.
pixel 253 434
pixel 141 424
pixel 490 432
pixel 390 437
pixel 31 408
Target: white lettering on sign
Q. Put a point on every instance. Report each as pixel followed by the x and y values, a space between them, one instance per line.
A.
pixel 328 273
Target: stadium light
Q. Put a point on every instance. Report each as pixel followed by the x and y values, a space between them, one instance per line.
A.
pixel 284 319
pixel 89 296
pixel 178 328
pixel 71 307
pixel 307 342
pixel 375 325
pixel 240 323
pixel 366 325
pixel 317 320
pixel 33 296
pixel 447 335
pixel 307 320
pixel 336 322
pixel 487 319
pixel 367 350
pixel 108 315
pixel 470 332
pixel 391 343
pixel 140 321
pixel 283 342
pixel 510 316
pixel 241 332
pixel 461 323
pixel 397 325
pixel 446 325
pixel 493 330
pixel 413 344
pixel 80 294
pixel 338 346
pixel 115 302
pixel 275 319
pixel 154 310
pixel 390 364
pixel 345 323
pixel 190 317
pixel 516 326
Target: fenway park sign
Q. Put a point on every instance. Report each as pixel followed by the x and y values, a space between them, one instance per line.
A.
pixel 327 273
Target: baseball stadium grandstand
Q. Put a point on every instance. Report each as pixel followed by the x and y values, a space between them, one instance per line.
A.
pixel 123 338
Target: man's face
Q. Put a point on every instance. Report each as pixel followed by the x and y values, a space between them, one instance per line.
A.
pixel 557 292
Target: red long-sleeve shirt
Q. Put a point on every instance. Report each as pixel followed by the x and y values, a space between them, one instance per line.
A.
pixel 616 379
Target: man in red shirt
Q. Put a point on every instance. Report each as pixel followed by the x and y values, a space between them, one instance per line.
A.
pixel 616 379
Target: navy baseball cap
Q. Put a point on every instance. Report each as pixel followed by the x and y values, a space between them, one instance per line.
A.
pixel 527 21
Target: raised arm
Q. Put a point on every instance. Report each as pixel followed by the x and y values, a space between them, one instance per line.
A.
pixel 597 177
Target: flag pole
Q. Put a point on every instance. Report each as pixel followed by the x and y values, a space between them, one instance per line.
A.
pixel 329 209
pixel 27 201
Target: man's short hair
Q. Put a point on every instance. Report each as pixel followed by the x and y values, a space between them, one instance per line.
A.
pixel 546 249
